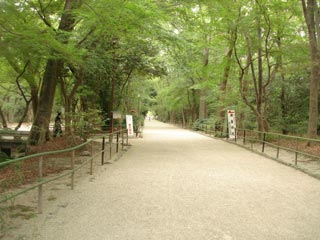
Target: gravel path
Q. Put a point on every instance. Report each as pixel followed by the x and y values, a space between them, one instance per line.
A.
pixel 178 185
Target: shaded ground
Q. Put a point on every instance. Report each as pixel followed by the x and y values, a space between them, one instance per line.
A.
pixel 25 172
pixel 176 184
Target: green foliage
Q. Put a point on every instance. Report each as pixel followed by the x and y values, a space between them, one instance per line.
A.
pixel 84 124
pixel 3 157
pixel 152 52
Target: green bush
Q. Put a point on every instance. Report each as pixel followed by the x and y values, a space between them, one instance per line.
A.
pixel 200 123
pixel 3 157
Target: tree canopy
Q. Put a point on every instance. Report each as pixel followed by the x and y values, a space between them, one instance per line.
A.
pixel 182 60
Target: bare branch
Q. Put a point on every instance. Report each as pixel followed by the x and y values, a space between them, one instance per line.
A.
pixel 18 83
pixel 41 14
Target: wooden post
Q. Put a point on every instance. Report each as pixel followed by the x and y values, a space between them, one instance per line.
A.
pixel 127 137
pixel 40 191
pixel 117 149
pixel 296 155
pixel 244 137
pixel 110 145
pixel 263 141
pixel 91 160
pixel 72 169
pixel 122 140
pixel 278 147
pixel 102 151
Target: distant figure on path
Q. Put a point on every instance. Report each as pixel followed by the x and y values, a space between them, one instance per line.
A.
pixel 57 130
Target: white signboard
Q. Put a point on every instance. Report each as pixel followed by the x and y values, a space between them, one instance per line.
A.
pixel 116 115
pixel 232 123
pixel 129 122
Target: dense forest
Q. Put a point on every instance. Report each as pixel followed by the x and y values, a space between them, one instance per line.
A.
pixel 181 60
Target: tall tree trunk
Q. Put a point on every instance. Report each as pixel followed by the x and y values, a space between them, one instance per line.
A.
pixel 223 86
pixel 203 104
pixel 283 102
pixel 311 14
pixel 3 119
pixel 35 100
pixel 69 96
pixel 192 100
pixel 183 118
pixel 40 128
pixel 260 77
pixel 203 92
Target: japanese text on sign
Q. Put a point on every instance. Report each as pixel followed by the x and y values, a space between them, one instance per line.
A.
pixel 129 122
pixel 232 124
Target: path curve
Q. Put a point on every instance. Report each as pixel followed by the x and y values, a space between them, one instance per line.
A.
pixel 175 184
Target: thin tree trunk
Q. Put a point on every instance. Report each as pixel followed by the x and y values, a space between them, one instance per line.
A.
pixel 223 86
pixel 260 78
pixel 68 97
pixel 27 101
pixel 3 119
pixel 183 118
pixel 25 113
pixel 203 92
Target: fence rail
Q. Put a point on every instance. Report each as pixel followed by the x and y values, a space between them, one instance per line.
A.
pixel 304 150
pixel 114 141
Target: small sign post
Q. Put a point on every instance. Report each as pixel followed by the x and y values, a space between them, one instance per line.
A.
pixel 231 124
pixel 129 122
pixel 116 115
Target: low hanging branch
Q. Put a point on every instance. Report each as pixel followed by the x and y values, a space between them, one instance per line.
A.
pixel 28 101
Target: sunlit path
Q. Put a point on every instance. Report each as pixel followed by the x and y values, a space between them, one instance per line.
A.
pixel 176 184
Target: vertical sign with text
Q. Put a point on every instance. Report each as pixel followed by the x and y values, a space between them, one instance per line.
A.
pixel 129 122
pixel 232 123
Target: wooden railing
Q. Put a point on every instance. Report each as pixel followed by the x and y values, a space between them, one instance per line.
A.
pixel 13 143
pixel 112 145
pixel 277 146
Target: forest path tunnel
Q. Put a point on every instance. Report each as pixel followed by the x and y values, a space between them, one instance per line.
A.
pixel 178 184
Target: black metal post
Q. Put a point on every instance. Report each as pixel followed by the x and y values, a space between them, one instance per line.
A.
pixel 296 157
pixel 122 138
pixel 117 149
pixel 102 152
pixel 110 145
pixel 263 141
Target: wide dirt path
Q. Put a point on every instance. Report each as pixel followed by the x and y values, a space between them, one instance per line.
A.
pixel 178 185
